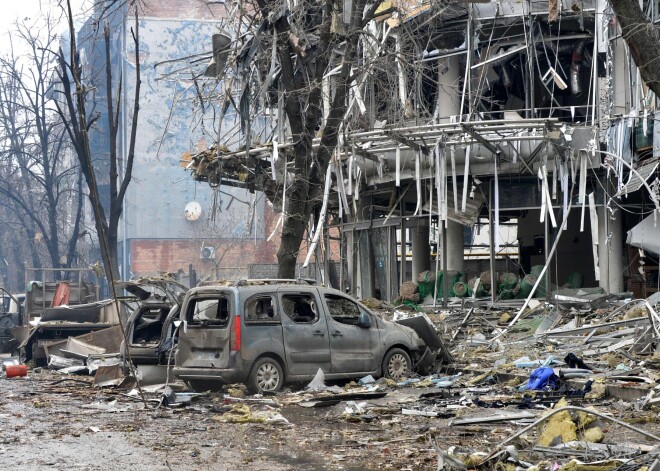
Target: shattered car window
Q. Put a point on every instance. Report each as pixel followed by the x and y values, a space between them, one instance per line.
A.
pixel 149 324
pixel 342 309
pixel 213 311
pixel 261 310
pixel 300 308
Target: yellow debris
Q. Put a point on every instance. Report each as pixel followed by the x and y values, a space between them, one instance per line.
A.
pixel 594 435
pixel 240 414
pixel 584 419
pixel 598 391
pixel 558 427
pixel 575 465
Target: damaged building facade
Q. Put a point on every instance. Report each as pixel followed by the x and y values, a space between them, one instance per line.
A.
pixel 170 223
pixel 485 138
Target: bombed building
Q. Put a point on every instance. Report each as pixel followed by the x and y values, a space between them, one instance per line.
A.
pixel 500 141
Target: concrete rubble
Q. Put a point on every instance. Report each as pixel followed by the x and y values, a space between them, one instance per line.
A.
pixel 569 384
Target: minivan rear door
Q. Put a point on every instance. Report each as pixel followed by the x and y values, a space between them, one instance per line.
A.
pixel 306 342
pixel 204 337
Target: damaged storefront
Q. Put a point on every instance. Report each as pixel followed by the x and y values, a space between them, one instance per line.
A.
pixel 481 140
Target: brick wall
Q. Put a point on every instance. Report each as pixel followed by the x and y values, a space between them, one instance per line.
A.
pixel 233 256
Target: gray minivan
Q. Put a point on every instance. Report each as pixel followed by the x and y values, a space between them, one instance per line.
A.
pixel 265 334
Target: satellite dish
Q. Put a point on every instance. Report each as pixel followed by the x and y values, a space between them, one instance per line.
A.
pixel 192 211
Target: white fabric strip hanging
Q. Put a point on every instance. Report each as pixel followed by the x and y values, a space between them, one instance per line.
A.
pixel 546 186
pixel 583 186
pixel 280 221
pixel 452 151
pixel 350 173
pixel 594 233
pixel 555 177
pixel 398 165
pixel 466 174
pixel 273 160
pixel 544 203
pixel 564 189
pixel 496 229
pixel 418 182
pixel 324 209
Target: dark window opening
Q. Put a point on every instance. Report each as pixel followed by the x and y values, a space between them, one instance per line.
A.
pixel 342 309
pixel 149 324
pixel 261 310
pixel 213 312
pixel 300 308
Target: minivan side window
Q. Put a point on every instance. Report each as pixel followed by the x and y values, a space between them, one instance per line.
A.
pixel 300 308
pixel 260 309
pixel 208 311
pixel 342 309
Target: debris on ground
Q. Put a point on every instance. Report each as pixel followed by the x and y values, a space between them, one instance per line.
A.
pixel 569 384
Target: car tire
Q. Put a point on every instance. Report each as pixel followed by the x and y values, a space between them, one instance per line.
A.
pixel 396 364
pixel 266 376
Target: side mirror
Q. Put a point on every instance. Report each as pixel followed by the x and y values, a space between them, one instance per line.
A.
pixel 364 320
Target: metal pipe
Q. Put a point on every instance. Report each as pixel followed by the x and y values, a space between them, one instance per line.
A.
pixel 500 58
pixel 506 75
pixel 576 67
pixel 469 141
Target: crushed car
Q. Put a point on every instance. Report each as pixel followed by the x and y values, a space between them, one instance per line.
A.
pixel 266 333
pixel 55 311
pixel 154 305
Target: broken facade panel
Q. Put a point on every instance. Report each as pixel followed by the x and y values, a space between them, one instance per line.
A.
pixel 529 114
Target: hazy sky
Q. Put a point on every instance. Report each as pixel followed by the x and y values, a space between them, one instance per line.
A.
pixel 12 10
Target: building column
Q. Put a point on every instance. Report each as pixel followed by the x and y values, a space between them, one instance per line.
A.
pixel 421 249
pixel 610 252
pixel 363 262
pixel 455 249
pixel 448 102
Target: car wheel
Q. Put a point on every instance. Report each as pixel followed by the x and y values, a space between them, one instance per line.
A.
pixel 396 364
pixel 266 376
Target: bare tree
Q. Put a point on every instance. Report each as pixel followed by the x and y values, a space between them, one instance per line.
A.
pixel 38 178
pixel 642 38
pixel 73 110
pixel 291 54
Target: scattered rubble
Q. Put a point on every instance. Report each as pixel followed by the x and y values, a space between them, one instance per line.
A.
pixel 568 384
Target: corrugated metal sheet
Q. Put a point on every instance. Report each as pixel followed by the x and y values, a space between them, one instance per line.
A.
pixel 472 208
pixel 645 171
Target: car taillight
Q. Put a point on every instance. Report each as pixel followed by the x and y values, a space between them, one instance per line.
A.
pixel 235 343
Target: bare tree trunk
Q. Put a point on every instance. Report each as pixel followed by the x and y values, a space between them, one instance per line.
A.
pixel 305 194
pixel 642 39
pixel 78 127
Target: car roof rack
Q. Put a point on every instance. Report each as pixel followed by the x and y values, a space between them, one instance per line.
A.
pixel 275 281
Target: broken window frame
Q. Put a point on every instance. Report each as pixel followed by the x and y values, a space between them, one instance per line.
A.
pixel 217 323
pixel 313 307
pixel 159 311
pixel 253 319
pixel 346 320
